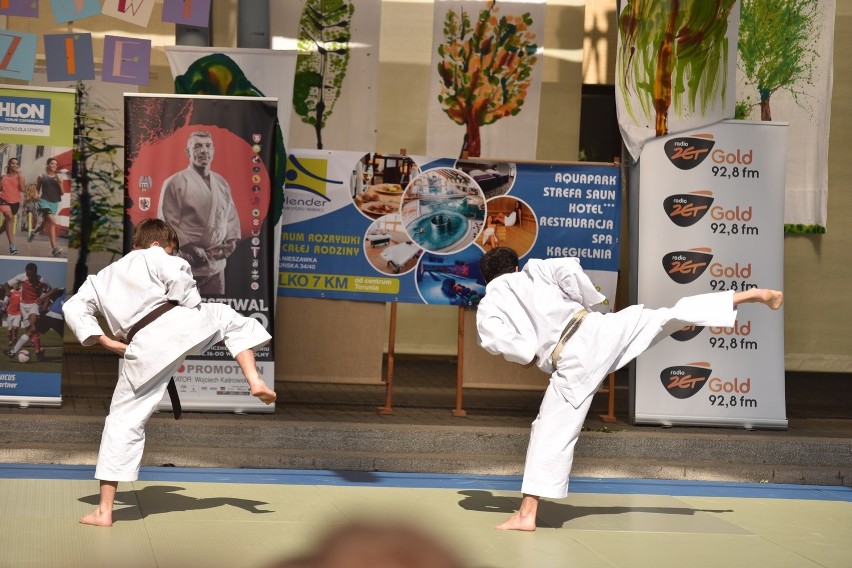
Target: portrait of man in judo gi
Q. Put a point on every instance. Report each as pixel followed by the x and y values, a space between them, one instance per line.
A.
pixel 198 203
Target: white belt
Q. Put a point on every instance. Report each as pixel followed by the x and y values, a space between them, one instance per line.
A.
pixel 570 329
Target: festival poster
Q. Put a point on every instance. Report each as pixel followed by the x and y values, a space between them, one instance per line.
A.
pixel 36 136
pixel 203 164
pixel 393 228
pixel 710 219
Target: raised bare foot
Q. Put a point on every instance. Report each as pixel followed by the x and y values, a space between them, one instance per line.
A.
pixel 773 298
pixel 264 393
pixel 517 523
pixel 97 518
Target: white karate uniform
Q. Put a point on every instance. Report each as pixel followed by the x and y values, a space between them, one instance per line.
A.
pixel 522 317
pixel 204 218
pixel 123 293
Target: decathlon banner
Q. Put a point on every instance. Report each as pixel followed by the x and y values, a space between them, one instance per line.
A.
pixel 710 219
pixel 394 228
pixel 204 165
pixel 36 137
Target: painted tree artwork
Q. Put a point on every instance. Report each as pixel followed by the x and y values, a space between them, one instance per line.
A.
pixel 323 45
pixel 777 50
pixel 673 56
pixel 485 69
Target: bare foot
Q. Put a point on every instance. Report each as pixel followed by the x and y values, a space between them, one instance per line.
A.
pixel 97 518
pixel 517 523
pixel 773 298
pixel 264 393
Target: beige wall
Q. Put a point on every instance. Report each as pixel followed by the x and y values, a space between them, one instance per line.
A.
pixel 818 268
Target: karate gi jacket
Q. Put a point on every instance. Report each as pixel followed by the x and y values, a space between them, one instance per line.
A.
pixel 127 290
pixel 204 218
pixel 523 314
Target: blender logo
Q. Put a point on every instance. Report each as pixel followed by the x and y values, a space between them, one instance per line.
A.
pixel 309 175
pixel 686 209
pixel 683 381
pixel 686 266
pixel 20 110
pixel 687 333
pixel 687 152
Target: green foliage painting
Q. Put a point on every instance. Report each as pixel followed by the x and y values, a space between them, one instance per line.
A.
pixel 777 50
pixel 323 46
pixel 97 182
pixel 674 54
pixel 485 69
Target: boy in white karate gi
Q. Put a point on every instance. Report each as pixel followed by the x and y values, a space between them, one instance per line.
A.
pixel 541 316
pixel 149 278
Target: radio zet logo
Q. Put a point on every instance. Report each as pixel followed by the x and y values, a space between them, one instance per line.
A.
pixel 686 266
pixel 689 151
pixel 686 209
pixel 687 333
pixel 683 381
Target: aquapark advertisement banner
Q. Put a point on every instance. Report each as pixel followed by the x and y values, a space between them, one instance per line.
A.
pixel 36 137
pixel 711 217
pixel 395 228
pixel 203 164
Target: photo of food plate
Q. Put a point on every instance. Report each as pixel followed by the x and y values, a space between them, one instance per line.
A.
pixel 380 207
pixel 387 188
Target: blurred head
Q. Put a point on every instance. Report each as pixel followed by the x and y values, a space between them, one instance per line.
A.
pixel 498 261
pixel 155 231
pixel 51 165
pixel 12 164
pixel 377 545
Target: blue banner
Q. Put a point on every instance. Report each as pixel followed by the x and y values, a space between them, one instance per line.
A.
pixel 393 228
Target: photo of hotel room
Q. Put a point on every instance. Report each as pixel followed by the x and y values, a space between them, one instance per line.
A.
pixel 378 181
pixel 451 279
pixel 443 210
pixel 508 222
pixel 494 178
pixel 388 248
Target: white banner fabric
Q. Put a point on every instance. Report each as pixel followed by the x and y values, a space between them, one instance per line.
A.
pixel 710 217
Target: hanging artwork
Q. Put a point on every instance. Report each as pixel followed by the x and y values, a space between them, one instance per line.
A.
pixel 673 65
pixel 784 74
pixel 486 66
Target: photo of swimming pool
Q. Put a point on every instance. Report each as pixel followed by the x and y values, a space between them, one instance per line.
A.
pixel 443 210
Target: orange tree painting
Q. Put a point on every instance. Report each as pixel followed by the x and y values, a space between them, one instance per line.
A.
pixel 674 54
pixel 485 69
pixel 323 44
pixel 777 50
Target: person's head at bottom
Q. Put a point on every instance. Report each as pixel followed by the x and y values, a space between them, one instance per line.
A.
pixel 377 545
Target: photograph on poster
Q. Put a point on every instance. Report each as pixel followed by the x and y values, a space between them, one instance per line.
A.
pixel 35 200
pixel 388 248
pixel 452 280
pixel 509 222
pixel 443 210
pixel 378 181
pixel 33 291
pixel 494 178
pixel 198 173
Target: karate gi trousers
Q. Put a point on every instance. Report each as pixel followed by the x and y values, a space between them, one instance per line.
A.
pixel 123 439
pixel 602 344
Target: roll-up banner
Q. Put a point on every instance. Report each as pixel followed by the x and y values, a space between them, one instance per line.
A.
pixel 711 218
pixel 395 228
pixel 203 164
pixel 36 138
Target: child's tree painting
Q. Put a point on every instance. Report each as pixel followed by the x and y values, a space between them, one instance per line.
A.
pixel 674 54
pixel 485 69
pixel 777 50
pixel 323 45
pixel 784 75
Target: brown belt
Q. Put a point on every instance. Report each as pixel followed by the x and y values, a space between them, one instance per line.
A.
pixel 146 319
pixel 570 329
